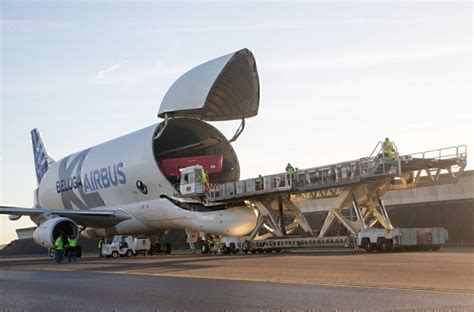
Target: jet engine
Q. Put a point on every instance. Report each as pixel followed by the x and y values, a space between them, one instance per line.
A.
pixel 47 232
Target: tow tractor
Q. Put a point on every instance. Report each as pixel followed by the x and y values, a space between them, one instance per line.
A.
pixel 126 246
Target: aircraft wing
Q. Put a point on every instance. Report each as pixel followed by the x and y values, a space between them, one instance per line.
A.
pixel 92 218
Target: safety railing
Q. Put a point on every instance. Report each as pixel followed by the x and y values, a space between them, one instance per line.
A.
pixel 377 150
pixel 307 179
pixel 254 186
pixel 344 173
pixel 459 151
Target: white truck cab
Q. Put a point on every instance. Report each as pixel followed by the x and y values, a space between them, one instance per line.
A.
pixel 190 181
pixel 126 246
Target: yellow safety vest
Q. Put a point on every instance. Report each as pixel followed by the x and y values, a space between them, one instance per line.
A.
pixel 204 177
pixel 58 244
pixel 387 147
pixel 72 242
pixel 101 242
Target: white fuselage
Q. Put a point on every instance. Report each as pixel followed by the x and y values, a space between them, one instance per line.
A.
pixel 106 177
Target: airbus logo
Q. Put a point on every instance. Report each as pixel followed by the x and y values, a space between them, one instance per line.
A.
pixel 95 180
pixel 71 177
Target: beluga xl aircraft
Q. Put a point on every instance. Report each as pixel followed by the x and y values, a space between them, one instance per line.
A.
pixel 129 185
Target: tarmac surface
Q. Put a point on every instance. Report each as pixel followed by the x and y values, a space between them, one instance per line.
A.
pixel 427 281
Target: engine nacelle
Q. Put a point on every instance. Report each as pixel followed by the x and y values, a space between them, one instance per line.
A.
pixel 48 231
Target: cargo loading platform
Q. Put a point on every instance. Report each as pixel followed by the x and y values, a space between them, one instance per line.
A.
pixel 357 185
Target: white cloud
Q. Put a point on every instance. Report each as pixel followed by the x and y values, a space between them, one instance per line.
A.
pixel 102 73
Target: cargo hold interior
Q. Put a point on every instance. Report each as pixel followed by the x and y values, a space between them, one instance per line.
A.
pixel 187 137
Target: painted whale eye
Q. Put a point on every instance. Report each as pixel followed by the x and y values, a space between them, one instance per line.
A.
pixel 142 187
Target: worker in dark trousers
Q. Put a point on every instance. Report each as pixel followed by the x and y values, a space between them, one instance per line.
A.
pixel 100 245
pixel 59 249
pixel 71 252
pixel 289 173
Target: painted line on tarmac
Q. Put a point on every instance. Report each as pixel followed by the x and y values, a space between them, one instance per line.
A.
pixel 246 279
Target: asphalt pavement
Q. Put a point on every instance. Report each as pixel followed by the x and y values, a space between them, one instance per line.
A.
pixel 90 291
pixel 421 281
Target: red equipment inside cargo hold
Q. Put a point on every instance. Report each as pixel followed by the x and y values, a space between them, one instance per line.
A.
pixel 211 163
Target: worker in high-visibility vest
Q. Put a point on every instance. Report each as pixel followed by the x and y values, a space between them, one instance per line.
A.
pixel 388 148
pixel 205 180
pixel 71 251
pixel 58 249
pixel 100 245
pixel 289 173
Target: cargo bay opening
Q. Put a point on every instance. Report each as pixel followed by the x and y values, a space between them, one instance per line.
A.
pixel 187 141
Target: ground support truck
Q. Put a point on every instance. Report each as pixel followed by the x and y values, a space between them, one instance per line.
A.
pixel 126 246
pixel 370 240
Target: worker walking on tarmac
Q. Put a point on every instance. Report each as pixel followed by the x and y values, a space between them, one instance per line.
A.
pixel 388 148
pixel 289 173
pixel 59 249
pixel 100 245
pixel 71 251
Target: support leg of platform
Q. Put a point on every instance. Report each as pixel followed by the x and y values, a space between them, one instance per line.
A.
pixel 280 211
pixel 299 216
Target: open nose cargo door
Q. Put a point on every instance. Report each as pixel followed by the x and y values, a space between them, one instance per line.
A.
pixel 226 88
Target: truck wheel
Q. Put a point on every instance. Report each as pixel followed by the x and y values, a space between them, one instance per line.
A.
pixel 129 253
pixel 115 255
pixel 232 248
pixel 388 245
pixel 435 247
pixel 384 245
pixel 246 246
pixel 366 245
pixel 226 250
pixel 168 248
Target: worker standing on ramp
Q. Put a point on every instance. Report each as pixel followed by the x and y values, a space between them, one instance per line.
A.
pixel 205 180
pixel 289 173
pixel 388 148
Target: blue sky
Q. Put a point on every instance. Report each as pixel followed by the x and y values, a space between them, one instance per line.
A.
pixel 336 77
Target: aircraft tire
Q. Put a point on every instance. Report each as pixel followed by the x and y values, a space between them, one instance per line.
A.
pixel 168 248
pixel 204 248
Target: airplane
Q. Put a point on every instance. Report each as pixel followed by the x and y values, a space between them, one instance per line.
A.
pixel 128 185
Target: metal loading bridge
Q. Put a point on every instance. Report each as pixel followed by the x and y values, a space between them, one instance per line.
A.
pixel 357 185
